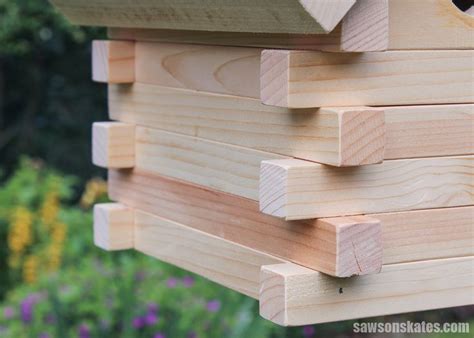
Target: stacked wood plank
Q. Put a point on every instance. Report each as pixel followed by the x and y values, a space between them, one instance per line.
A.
pixel 327 185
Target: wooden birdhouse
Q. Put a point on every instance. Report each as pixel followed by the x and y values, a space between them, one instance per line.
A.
pixel 315 155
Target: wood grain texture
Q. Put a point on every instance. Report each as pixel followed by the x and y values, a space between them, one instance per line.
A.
pixel 321 246
pixel 429 131
pixel 329 42
pixel 315 79
pixel 406 236
pixel 236 170
pixel 366 27
pixel 221 261
pixel 295 189
pixel 113 226
pixel 113 61
pixel 427 234
pixel 310 134
pixel 113 144
pixel 214 165
pixel 442 26
pixel 204 68
pixel 294 295
pixel 279 16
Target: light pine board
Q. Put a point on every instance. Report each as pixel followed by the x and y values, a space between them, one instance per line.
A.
pixel 303 79
pixel 113 61
pixel 279 16
pixel 224 262
pixel 407 236
pixel 237 219
pixel 113 226
pixel 294 295
pixel 442 26
pixel 215 165
pixel 204 68
pixel 113 145
pixel 429 131
pixel 295 189
pixel 331 41
pixel 364 28
pixel 427 234
pixel 311 134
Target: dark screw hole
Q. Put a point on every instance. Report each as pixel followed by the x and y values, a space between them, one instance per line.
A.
pixel 340 290
pixel 463 5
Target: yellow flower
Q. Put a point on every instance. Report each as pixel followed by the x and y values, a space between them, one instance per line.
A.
pixel 20 232
pixel 50 207
pixel 95 188
pixel 30 269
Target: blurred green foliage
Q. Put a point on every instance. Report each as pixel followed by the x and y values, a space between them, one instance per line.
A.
pixel 47 100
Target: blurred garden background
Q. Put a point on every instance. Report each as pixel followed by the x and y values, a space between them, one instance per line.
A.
pixel 53 281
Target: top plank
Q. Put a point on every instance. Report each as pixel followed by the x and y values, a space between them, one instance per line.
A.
pixel 259 16
pixel 411 25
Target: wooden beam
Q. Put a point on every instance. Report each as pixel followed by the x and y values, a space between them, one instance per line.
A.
pixel 293 295
pixel 364 28
pixel 205 68
pixel 340 137
pixel 406 236
pixel 294 189
pixel 312 134
pixel 224 262
pixel 444 25
pixel 326 42
pixel 427 234
pixel 227 168
pixel 236 219
pixel 113 144
pixel 281 16
pixel 113 226
pixel 113 61
pixel 429 131
pixel 303 79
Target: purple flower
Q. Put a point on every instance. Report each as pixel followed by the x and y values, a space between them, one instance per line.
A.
pixel 188 281
pixel 26 310
pixel 138 322
pixel 308 331
pixel 8 312
pixel 151 319
pixel 84 331
pixel 152 308
pixel 213 305
pixel 172 282
pixel 159 335
pixel 43 335
pixel 192 335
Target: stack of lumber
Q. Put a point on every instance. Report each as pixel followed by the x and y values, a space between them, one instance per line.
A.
pixel 252 146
